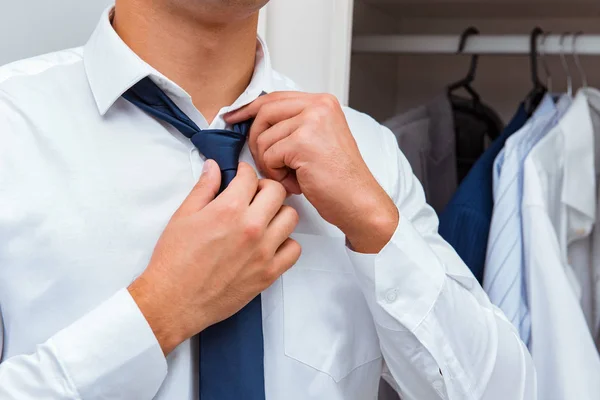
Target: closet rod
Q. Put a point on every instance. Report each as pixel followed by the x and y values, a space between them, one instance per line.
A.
pixel 481 44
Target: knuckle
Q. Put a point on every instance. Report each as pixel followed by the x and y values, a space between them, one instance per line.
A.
pixel 232 207
pixel 328 101
pixel 265 253
pixel 261 143
pixel 269 183
pixel 246 171
pixel 253 231
pixel 250 178
pixel 278 188
pixel 227 209
pixel 304 136
pixel 274 188
pixel 260 257
pixel 291 214
pixel 269 109
pixel 243 167
pixel 270 274
pixel 295 249
pixel 316 113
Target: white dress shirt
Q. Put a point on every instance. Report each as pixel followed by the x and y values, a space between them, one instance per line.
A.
pixel 88 183
pixel 504 277
pixel 595 238
pixel 559 211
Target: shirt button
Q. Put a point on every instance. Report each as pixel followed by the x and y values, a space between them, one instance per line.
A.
pixel 391 296
pixel 438 385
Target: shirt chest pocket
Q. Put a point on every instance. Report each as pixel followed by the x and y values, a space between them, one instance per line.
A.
pixel 327 323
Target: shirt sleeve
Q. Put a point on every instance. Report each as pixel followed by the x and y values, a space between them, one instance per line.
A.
pixel 109 353
pixel 440 335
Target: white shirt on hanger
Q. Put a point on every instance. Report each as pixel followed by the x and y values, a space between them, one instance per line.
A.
pixel 559 209
pixel 503 275
pixel 504 278
pixel 87 184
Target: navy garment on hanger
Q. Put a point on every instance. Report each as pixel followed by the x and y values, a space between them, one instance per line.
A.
pixel 465 222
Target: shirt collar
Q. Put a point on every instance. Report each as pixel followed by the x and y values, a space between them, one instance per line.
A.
pixel 579 179
pixel 547 106
pixel 112 68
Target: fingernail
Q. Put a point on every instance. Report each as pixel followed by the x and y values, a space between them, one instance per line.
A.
pixel 208 166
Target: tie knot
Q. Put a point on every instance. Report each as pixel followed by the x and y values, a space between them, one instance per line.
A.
pixel 223 146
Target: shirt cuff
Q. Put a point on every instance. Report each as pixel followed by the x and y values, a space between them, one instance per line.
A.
pixel 111 352
pixel 405 279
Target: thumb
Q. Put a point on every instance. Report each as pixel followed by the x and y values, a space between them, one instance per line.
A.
pixel 205 190
pixel 291 184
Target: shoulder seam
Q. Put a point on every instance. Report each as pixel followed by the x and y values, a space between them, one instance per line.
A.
pixel 14 75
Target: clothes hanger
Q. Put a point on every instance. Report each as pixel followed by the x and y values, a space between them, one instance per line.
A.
pixel 582 75
pixel 466 82
pixel 476 107
pixel 565 64
pixel 542 52
pixel 535 96
pixel 484 121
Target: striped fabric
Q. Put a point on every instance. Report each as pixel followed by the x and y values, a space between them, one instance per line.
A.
pixel 504 277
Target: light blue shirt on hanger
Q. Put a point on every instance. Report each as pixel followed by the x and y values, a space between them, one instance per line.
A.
pixel 504 276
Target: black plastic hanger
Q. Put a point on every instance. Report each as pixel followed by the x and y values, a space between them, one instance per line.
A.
pixel 474 121
pixel 466 82
pixel 535 96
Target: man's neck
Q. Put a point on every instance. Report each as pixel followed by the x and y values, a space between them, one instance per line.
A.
pixel 213 62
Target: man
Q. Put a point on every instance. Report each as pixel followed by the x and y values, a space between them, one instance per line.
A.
pixel 128 257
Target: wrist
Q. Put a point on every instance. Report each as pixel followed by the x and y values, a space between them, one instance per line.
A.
pixel 374 226
pixel 158 316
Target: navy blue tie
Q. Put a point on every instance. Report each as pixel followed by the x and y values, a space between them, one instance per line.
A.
pixel 231 352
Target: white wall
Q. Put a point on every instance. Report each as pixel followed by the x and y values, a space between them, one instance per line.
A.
pixel 310 42
pixel 31 27
pixel 303 35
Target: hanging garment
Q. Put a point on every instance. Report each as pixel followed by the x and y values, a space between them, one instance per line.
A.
pixel 426 136
pixel 465 222
pixel 503 275
pixel 476 125
pixel 559 206
pixel 595 272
